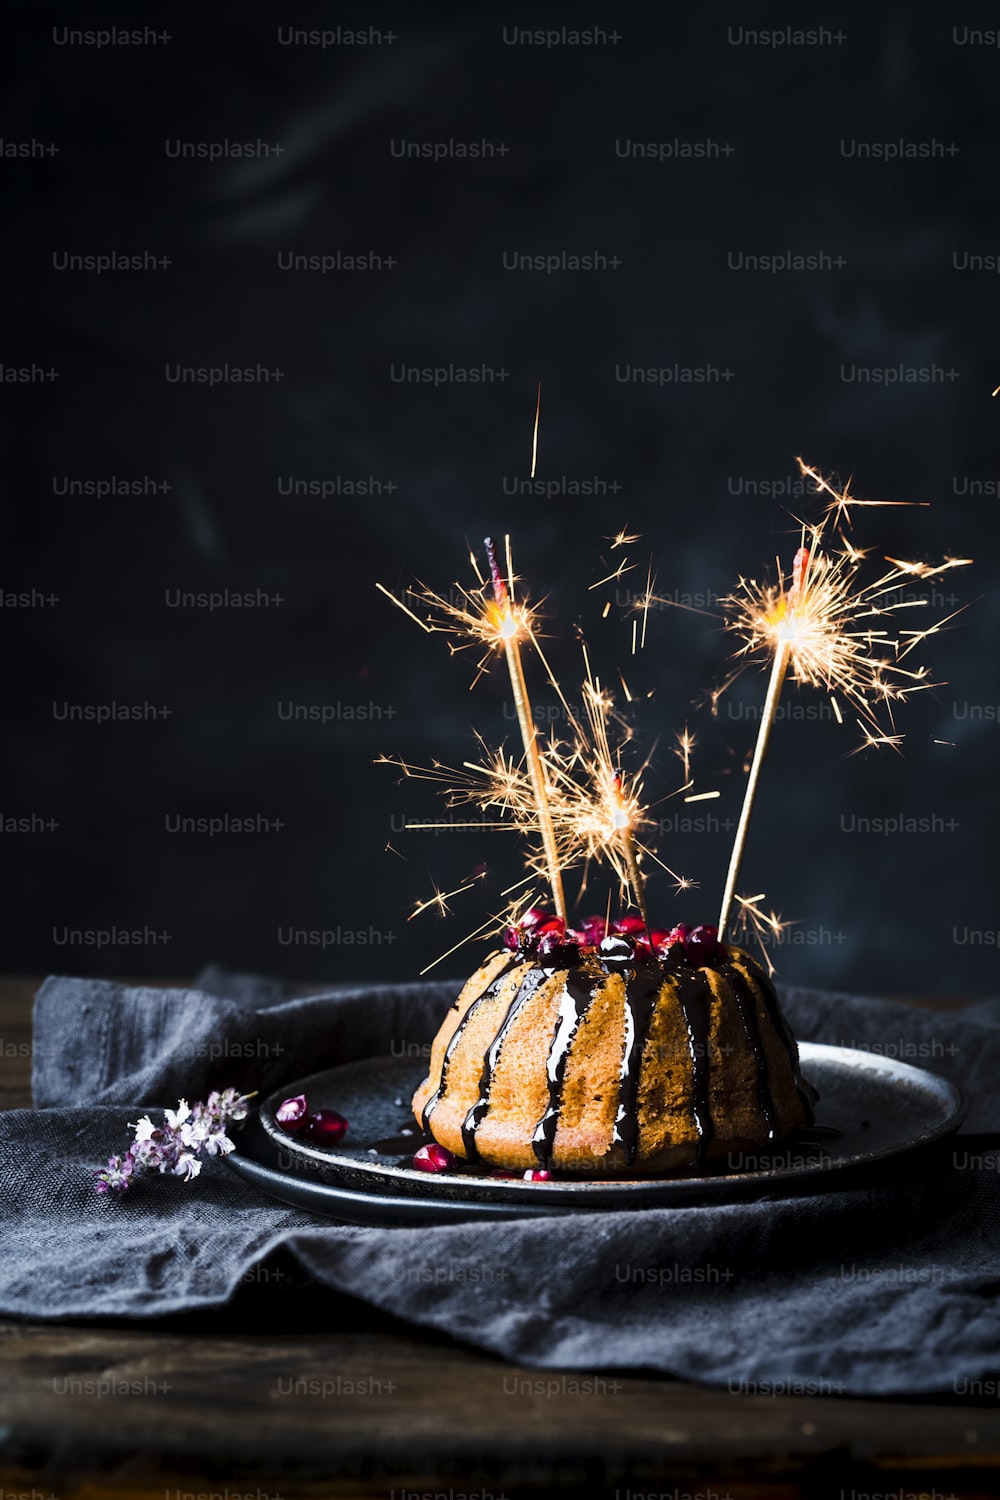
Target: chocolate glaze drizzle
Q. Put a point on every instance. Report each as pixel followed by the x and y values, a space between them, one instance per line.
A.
pixel 747 1006
pixel 530 985
pixel 579 990
pixel 642 986
pixel 807 1094
pixel 694 995
pixel 491 989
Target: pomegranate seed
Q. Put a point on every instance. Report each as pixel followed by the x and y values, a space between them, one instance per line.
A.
pixel 326 1127
pixel 594 930
pixel 512 938
pixel 292 1114
pixel 702 945
pixel 551 924
pixel 532 917
pixel 628 926
pixel 433 1158
pixel 677 934
pixel 660 939
pixel 537 1174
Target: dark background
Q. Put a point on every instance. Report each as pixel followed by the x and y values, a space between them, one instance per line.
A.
pixel 896 913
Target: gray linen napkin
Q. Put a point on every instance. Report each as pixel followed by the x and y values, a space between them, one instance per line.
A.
pixel 885 1288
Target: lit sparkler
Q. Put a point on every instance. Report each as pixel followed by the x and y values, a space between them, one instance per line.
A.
pixel 779 666
pixel 827 629
pixel 469 616
pixel 491 617
pixel 595 805
pixel 610 809
pixel 511 630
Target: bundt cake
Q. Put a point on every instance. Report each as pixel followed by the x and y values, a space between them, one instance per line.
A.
pixel 602 1051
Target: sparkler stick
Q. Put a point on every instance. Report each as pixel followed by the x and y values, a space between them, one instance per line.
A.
pixel 774 686
pixel 529 733
pixel 534 435
pixel 778 669
pixel 635 876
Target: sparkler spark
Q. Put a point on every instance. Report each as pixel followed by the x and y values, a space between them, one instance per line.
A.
pixel 685 744
pixel 439 900
pixel 623 567
pixel 471 617
pixel 650 599
pixel 494 923
pixel 756 925
pixel 834 630
pixel 595 804
pixel 842 501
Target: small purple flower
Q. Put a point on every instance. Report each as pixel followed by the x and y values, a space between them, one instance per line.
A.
pixel 174 1146
pixel 116 1176
pixel 175 1118
pixel 186 1166
pixel 217 1143
pixel 151 1148
pixel 229 1105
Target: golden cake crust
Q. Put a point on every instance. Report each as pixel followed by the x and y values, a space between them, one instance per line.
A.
pixel 608 1068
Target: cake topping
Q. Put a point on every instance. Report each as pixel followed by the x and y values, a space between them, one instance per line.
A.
pixel 702 947
pixel 539 934
pixel 433 1158
pixel 620 1014
pixel 326 1127
pixel 616 949
pixel 293 1114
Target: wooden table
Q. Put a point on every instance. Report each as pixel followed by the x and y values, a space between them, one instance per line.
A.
pixel 432 1421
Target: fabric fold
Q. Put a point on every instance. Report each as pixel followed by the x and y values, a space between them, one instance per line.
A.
pixel 887 1287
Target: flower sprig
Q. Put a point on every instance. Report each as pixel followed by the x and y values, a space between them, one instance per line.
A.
pixel 174 1146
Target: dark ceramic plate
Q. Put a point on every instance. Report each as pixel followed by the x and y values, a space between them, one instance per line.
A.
pixel 870 1108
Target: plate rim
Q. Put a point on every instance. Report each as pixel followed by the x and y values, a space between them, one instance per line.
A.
pixel 604 1193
